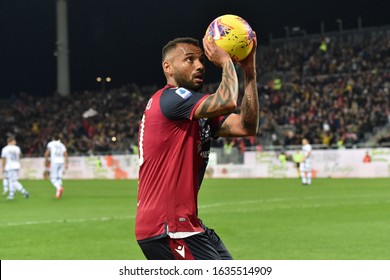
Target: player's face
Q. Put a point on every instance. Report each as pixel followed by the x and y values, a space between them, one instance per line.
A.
pixel 188 66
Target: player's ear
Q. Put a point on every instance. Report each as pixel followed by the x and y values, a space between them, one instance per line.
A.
pixel 167 67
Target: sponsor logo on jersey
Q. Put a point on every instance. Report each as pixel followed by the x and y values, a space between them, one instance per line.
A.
pixel 183 93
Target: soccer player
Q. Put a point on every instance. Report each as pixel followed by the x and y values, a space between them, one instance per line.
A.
pixel 11 155
pixel 305 165
pixel 174 145
pixel 57 162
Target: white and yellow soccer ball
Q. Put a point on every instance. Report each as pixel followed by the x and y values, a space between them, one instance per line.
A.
pixel 233 34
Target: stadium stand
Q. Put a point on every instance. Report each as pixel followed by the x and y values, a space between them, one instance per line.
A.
pixel 333 91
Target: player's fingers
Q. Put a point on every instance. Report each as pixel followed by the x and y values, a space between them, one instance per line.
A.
pixel 208 47
pixel 207 43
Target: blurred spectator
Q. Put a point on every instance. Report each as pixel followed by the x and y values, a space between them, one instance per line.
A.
pixel 367 158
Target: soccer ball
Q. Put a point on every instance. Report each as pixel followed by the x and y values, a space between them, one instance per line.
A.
pixel 233 34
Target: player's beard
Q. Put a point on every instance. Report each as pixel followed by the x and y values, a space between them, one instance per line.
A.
pixel 186 83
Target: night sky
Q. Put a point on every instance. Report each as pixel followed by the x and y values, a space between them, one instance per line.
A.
pixel 123 38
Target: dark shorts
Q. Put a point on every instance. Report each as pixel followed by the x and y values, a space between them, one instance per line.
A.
pixel 203 246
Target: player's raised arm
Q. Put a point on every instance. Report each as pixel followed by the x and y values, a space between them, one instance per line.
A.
pixel 247 121
pixel 224 100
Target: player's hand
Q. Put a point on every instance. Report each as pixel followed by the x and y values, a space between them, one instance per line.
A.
pixel 215 54
pixel 249 63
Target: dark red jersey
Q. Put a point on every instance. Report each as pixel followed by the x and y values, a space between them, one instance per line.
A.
pixel 173 151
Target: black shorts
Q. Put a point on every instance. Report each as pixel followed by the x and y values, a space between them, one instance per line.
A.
pixel 203 246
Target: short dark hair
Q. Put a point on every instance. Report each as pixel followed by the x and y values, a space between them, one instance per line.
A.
pixel 56 136
pixel 10 138
pixel 173 44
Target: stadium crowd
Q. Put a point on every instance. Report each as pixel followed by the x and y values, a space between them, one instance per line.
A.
pixel 329 92
pixel 90 122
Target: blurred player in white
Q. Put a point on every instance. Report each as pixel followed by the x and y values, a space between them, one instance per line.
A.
pixel 10 155
pixel 56 156
pixel 305 165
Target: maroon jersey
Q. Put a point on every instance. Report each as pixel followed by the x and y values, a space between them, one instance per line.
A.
pixel 173 153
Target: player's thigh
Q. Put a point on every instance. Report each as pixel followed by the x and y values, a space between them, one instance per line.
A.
pixel 203 247
pixel 60 170
pixel 158 249
pixel 217 243
pixel 54 171
pixel 303 167
pixel 12 175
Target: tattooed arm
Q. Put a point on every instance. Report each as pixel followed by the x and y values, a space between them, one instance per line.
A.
pixel 224 100
pixel 246 123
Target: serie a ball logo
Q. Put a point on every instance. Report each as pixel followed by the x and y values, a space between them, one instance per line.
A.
pixel 233 34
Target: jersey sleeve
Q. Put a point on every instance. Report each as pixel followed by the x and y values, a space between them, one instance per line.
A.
pixel 179 103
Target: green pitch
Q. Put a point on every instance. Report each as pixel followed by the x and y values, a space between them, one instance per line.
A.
pixel 334 219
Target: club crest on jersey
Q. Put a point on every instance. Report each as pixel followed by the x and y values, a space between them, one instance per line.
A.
pixel 183 93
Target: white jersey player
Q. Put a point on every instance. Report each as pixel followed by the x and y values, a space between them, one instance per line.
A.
pixel 305 165
pixel 56 156
pixel 10 155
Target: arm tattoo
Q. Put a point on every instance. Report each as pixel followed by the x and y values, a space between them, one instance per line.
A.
pixel 224 131
pixel 250 105
pixel 227 90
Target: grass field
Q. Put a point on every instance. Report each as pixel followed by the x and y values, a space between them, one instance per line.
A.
pixel 274 219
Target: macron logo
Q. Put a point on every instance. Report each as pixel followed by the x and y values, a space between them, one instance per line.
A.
pixel 180 251
pixel 183 93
